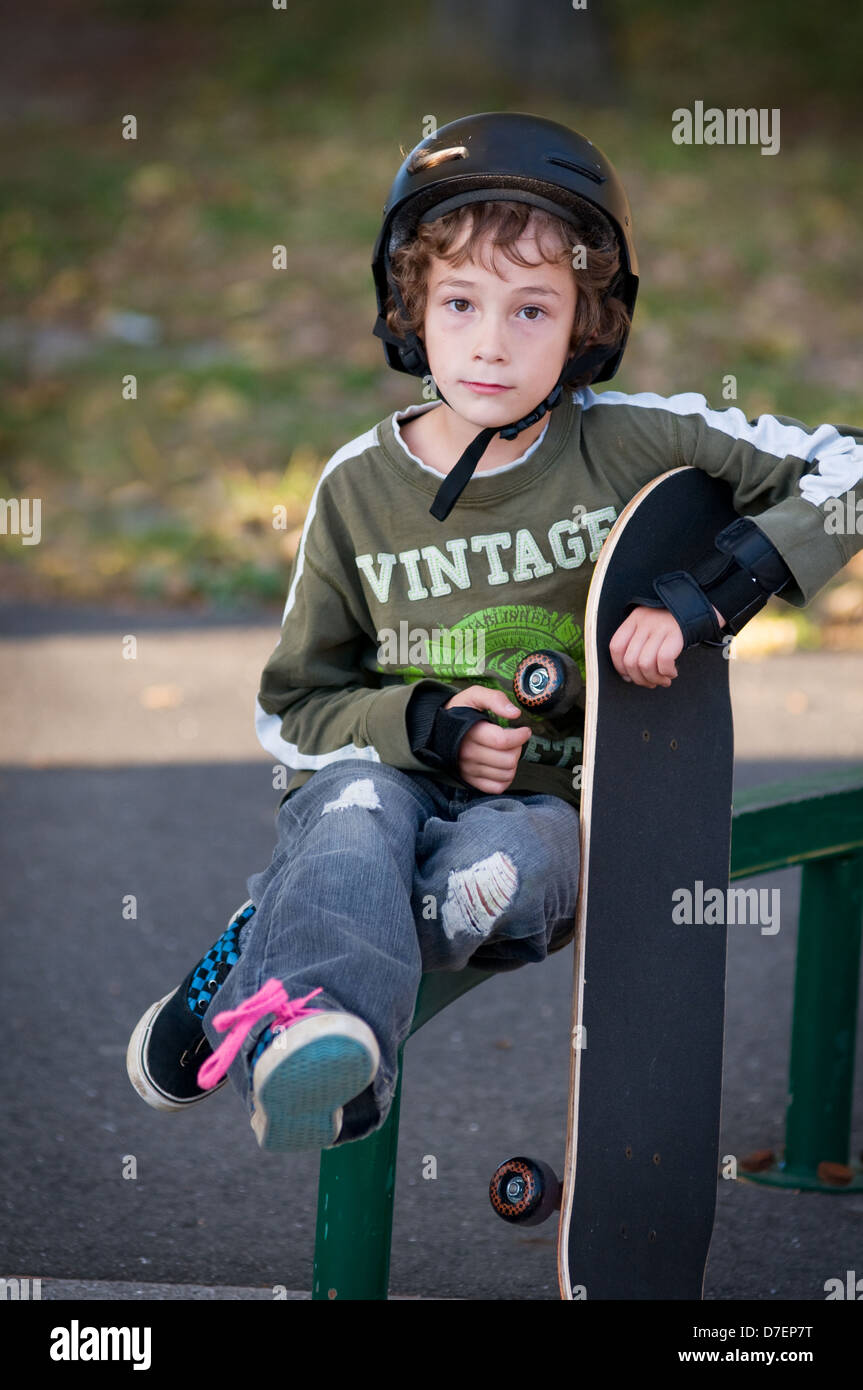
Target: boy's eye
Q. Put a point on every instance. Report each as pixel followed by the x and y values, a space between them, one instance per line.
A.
pixel 534 309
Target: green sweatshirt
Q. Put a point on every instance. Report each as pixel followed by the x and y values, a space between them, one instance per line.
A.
pixel 385 600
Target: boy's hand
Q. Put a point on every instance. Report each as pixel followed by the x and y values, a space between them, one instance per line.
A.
pixel 646 645
pixel 488 754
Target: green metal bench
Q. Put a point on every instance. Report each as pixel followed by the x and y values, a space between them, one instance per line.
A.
pixel 816 822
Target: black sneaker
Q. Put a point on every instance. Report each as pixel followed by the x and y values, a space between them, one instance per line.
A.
pixel 168 1046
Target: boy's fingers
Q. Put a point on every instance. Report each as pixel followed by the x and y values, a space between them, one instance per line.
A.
pixel 484 698
pixel 649 662
pixel 665 661
pixel 496 736
pixel 629 667
pixel 645 652
pixel 490 758
pixel 640 660
pixel 478 767
pixel 493 783
pixel 484 762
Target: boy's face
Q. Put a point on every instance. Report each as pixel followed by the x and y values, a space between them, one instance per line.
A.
pixel 508 328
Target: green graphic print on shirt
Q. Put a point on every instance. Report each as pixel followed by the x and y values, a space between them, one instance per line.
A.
pixel 487 646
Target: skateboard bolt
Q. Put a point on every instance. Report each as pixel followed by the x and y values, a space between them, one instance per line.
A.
pixel 515 1189
pixel 537 680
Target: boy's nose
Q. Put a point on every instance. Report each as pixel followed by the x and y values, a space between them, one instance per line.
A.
pixel 490 341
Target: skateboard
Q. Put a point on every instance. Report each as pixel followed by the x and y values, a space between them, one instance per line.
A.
pixel 638 1194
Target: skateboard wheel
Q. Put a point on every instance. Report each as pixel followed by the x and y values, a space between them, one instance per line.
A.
pixel 524 1191
pixel 547 683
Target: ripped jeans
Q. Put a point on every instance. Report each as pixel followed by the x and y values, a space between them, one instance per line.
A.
pixel 380 875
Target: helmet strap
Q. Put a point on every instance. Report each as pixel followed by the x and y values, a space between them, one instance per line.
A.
pixel 457 480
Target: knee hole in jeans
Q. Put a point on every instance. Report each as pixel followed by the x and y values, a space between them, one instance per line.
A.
pixel 477 896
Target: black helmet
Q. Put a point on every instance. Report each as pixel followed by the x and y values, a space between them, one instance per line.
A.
pixel 500 156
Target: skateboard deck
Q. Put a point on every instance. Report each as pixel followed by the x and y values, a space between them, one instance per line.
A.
pixel 638 1194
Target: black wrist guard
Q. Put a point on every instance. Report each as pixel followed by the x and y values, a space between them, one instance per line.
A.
pixel 738 582
pixel 435 733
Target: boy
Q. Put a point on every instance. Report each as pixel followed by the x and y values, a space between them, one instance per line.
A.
pixel 430 822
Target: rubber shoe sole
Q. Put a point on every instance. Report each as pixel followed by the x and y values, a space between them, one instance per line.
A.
pixel 305 1077
pixel 168 1046
pixel 139 1073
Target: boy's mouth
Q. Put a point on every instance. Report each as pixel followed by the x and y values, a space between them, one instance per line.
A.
pixel 485 387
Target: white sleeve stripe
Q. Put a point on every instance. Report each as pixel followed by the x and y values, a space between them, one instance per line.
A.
pixel 269 730
pixel 347 451
pixel 268 727
pixel 839 456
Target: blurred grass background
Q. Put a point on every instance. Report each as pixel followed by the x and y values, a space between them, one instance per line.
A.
pixel 256 127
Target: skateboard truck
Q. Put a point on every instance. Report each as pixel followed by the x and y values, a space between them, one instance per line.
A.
pixel 527 1191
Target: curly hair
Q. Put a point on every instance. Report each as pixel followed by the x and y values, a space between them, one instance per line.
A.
pixel 599 314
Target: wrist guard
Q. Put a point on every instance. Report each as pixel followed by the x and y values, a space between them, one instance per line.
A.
pixel 738 582
pixel 435 733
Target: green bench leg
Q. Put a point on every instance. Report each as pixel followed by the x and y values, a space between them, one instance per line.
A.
pixel 824 1028
pixel 356 1190
pixel 357 1181
pixel 818 1124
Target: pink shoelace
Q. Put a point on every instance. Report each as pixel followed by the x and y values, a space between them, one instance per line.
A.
pixel 270 998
